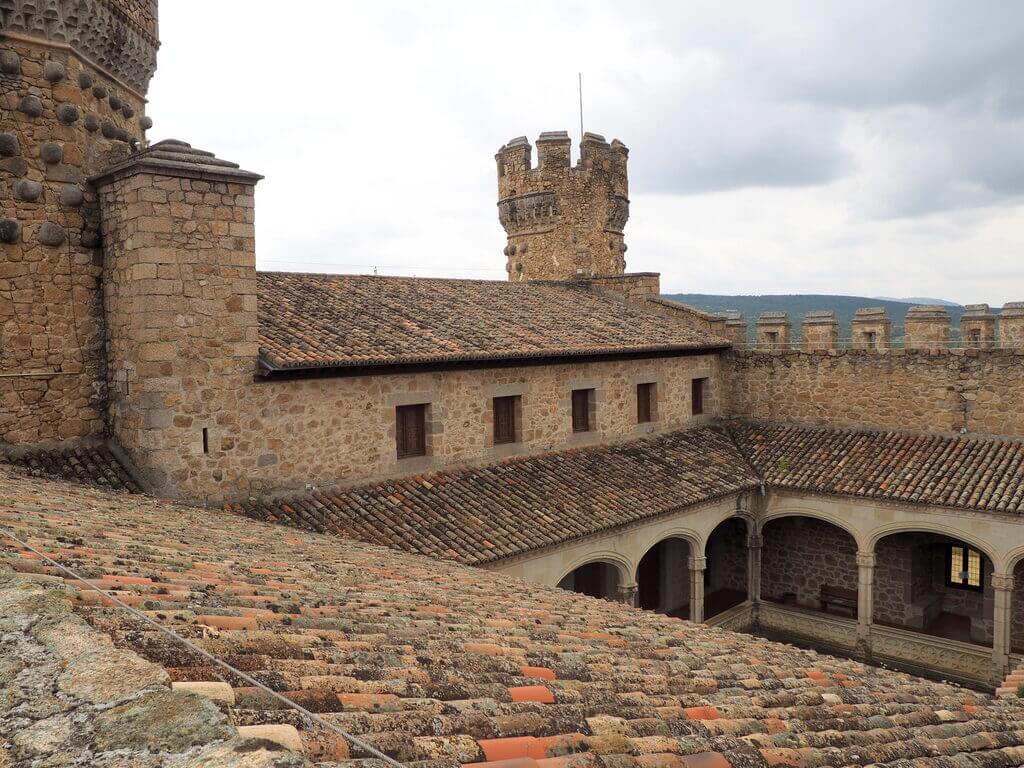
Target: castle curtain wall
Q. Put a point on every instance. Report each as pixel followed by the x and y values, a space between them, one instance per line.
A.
pixel 977 390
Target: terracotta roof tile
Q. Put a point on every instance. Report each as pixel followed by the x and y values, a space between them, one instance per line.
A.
pixel 317 321
pixel 345 635
pixel 967 472
pixel 480 514
pixel 89 464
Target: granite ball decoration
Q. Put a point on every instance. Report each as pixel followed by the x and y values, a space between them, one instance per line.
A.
pixel 51 234
pixel 115 102
pixel 67 113
pixel 127 111
pixel 10 62
pixel 28 190
pixel 71 196
pixel 85 80
pixel 31 106
pixel 9 145
pixel 108 129
pixel 92 123
pixel 90 238
pixel 54 72
pixel 51 153
pixel 10 231
pixel 99 92
pixel 145 122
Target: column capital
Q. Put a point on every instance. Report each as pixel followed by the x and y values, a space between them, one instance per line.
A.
pixel 698 563
pixel 1002 581
pixel 866 559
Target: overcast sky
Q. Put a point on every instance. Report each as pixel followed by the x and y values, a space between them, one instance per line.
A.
pixel 868 148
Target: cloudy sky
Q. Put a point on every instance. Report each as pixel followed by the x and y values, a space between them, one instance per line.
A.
pixel 868 148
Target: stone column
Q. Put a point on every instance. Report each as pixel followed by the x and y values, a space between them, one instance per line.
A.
pixel 865 598
pixel 754 542
pixel 1002 586
pixel 697 566
pixel 628 594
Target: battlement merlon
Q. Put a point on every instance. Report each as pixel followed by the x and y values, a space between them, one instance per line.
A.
pixel 554 150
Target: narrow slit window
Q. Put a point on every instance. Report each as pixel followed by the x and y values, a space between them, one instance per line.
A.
pixel 411 430
pixel 505 427
pixel 964 568
pixel 206 440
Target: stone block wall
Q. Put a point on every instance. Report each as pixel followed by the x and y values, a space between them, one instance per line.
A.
pixel 800 555
pixel 1017 610
pixel 180 293
pixel 726 552
pixel 339 431
pixel 977 390
pixel 62 118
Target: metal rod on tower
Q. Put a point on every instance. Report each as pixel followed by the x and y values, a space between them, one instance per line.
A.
pixel 580 87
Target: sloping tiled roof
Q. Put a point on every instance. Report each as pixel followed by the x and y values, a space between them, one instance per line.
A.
pixel 89 464
pixel 486 513
pixel 437 662
pixel 331 321
pixel 965 472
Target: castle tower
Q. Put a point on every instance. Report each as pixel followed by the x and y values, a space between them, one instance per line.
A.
pixel 73 79
pixel 563 221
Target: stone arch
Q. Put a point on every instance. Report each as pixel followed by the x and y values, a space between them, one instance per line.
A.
pixel 726 564
pixel 742 515
pixel 796 511
pixel 622 565
pixel 663 575
pixel 810 562
pixel 913 588
pixel 688 535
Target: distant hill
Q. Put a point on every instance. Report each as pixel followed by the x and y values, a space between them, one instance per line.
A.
pixel 796 305
pixel 918 300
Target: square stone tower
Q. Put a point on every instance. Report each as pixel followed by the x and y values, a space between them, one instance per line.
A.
pixel 563 222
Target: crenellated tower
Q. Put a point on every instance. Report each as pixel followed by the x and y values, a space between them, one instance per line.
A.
pixel 563 221
pixel 73 80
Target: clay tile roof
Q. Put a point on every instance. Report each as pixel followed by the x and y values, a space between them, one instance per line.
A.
pixel 90 464
pixel 479 514
pixel 978 473
pixel 310 321
pixel 439 664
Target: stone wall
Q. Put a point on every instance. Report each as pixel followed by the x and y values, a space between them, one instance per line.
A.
pixel 800 555
pixel 978 390
pixel 180 292
pixel 563 221
pixel 726 552
pixel 1017 609
pixel 274 436
pixel 61 119
pixel 910 588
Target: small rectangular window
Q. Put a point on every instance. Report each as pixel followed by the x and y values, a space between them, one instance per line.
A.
pixel 505 420
pixel 644 403
pixel 411 430
pixel 963 567
pixel 581 403
pixel 206 440
pixel 697 396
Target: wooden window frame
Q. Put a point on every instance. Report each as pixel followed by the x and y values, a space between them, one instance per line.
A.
pixel 965 559
pixel 406 446
pixel 505 414
pixel 646 402
pixel 582 417
pixel 697 395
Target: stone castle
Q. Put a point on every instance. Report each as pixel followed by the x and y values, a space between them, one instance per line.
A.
pixel 568 426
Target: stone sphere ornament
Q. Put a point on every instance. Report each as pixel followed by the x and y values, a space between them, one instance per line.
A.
pixel 71 196
pixel 9 146
pixel 99 92
pixel 51 153
pixel 54 72
pixel 51 234
pixel 92 123
pixel 28 190
pixel 10 62
pixel 67 113
pixel 145 122
pixel 31 106
pixel 85 81
pixel 10 231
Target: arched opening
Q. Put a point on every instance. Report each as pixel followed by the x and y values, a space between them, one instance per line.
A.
pixel 809 563
pixel 663 578
pixel 596 579
pixel 1017 609
pixel 725 575
pixel 935 584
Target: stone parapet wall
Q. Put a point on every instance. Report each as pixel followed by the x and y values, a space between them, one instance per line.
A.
pixel 976 390
pixel 60 121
